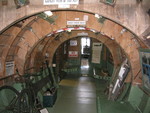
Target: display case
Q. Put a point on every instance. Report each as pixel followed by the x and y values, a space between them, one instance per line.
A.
pixel 145 67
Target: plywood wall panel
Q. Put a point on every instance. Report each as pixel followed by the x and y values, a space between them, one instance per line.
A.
pixel 72 16
pixel 111 29
pixel 60 18
pixel 30 38
pixel 45 27
pixel 93 23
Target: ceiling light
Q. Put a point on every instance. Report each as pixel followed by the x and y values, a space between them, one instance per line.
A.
pixel 148 37
pixel 48 13
pixel 97 16
pixel 123 30
pixel 69 30
pixel 93 30
pixel 112 38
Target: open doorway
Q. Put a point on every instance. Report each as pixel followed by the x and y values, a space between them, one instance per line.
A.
pixel 85 47
pixel 85 55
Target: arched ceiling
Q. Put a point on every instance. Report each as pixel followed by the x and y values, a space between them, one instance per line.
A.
pixel 19 40
pixel 129 13
pixel 50 44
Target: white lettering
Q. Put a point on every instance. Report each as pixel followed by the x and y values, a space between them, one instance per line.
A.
pixel 58 2
pixel 76 22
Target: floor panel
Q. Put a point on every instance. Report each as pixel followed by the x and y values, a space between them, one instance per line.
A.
pixel 76 96
pixel 86 95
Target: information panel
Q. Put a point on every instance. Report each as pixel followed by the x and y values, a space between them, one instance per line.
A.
pixel 73 42
pixel 73 54
pixel 83 23
pixel 96 52
pixel 10 68
pixel 58 2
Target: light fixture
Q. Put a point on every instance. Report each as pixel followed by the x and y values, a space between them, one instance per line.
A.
pixel 148 37
pixel 97 16
pixel 112 38
pixel 48 13
pixel 93 30
pixel 100 18
pixel 123 30
pixel 69 30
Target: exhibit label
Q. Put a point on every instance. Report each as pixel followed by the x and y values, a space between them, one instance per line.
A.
pixel 57 2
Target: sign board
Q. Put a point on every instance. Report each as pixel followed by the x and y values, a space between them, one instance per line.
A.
pixel 73 54
pixel 85 17
pixel 57 2
pixel 64 6
pixel 73 42
pixel 72 23
pixel 44 110
pixel 96 52
pixel 77 19
pixel 82 34
pixel 10 68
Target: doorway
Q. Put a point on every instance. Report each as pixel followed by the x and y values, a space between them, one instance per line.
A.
pixel 85 55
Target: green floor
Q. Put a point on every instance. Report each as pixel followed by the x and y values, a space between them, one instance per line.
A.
pixel 86 95
pixel 106 106
pixel 76 95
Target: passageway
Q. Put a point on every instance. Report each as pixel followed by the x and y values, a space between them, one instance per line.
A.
pixel 90 56
pixel 86 95
pixel 76 95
